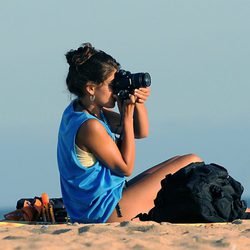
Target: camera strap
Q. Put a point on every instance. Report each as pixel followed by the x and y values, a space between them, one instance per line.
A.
pixel 121 134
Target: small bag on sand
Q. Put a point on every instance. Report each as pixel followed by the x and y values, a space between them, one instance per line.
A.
pixel 29 211
pixel 39 209
pixel 198 193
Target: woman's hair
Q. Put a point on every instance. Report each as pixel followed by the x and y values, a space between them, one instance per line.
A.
pixel 86 64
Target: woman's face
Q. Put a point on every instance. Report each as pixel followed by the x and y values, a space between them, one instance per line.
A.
pixel 104 93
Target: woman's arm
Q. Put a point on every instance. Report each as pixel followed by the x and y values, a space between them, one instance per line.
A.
pixel 93 136
pixel 141 125
pixel 127 146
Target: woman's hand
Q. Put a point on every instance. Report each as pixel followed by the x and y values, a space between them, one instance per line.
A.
pixel 124 104
pixel 135 105
pixel 142 94
pixel 129 105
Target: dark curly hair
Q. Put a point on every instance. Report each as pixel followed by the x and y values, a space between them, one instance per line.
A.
pixel 88 64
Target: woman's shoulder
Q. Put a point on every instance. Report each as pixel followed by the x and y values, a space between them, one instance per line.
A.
pixel 91 129
pixel 91 125
pixel 92 134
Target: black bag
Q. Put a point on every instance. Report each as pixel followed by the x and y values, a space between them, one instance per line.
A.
pixel 59 209
pixel 198 193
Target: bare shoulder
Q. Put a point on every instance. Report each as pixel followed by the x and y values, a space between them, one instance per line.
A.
pixel 90 127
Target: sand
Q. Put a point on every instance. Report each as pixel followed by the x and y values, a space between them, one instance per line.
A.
pixel 126 235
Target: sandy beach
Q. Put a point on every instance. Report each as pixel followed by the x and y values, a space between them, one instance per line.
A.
pixel 126 235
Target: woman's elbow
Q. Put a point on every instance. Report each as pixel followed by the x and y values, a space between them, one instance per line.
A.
pixel 127 173
pixel 142 135
pixel 123 172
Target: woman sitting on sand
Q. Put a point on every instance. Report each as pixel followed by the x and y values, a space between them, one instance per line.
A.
pixel 92 167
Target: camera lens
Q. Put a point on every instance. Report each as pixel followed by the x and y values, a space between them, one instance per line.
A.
pixel 141 80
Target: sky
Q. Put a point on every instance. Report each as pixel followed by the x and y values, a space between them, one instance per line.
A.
pixel 197 53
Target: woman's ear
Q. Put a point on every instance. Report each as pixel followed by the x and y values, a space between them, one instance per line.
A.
pixel 90 88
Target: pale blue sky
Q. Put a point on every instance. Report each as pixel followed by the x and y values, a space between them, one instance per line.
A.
pixel 197 53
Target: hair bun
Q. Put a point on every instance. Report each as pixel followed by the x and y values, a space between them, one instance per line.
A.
pixel 81 55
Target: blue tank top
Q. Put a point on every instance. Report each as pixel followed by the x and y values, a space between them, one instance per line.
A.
pixel 90 194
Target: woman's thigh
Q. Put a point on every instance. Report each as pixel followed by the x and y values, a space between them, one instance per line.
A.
pixel 139 196
pixel 150 170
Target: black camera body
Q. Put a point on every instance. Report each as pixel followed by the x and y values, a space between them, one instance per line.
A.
pixel 125 83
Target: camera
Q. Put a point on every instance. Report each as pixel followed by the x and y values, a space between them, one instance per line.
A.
pixel 124 83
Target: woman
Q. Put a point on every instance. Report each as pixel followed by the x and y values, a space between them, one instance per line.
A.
pixel 92 167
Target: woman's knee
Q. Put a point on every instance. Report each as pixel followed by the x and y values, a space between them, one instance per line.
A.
pixel 192 158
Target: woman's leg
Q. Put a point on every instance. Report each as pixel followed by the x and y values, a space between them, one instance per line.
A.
pixel 151 170
pixel 139 196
